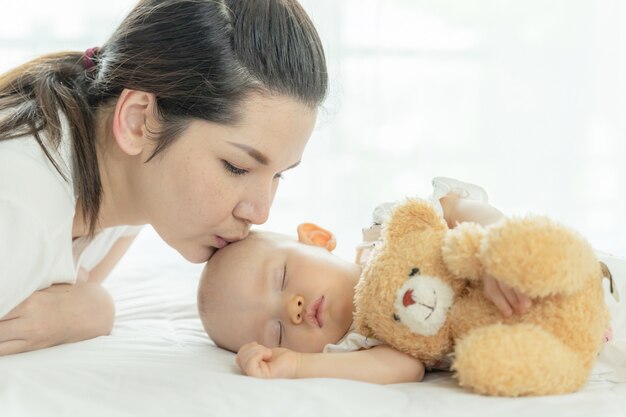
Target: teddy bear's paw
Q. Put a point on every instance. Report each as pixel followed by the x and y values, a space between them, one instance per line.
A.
pixel 538 257
pixel 460 250
pixel 517 360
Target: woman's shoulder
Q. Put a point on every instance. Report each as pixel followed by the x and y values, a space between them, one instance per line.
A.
pixel 30 180
pixel 27 150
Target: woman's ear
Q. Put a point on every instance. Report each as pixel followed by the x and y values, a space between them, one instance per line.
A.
pixel 312 234
pixel 133 111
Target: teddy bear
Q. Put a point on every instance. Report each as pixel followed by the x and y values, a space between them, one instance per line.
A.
pixel 421 293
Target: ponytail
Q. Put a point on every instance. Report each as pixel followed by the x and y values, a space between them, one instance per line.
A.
pixel 32 98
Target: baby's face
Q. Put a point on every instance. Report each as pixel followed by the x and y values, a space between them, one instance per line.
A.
pixel 278 292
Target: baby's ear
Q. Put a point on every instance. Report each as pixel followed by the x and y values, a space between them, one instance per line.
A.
pixel 312 234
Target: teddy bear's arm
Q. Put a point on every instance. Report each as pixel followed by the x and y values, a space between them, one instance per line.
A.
pixel 463 254
pixel 538 256
pixel 461 248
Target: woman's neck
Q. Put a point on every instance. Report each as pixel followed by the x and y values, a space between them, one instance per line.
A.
pixel 117 206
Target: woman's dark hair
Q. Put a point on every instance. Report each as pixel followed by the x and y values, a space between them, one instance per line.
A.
pixel 200 58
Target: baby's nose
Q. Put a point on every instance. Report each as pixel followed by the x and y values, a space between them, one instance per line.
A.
pixel 295 309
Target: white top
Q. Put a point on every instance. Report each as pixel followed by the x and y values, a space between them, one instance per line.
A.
pixel 351 342
pixel 36 216
pixel 441 187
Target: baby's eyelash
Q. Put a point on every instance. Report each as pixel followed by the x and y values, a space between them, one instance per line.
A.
pixel 282 285
pixel 281 331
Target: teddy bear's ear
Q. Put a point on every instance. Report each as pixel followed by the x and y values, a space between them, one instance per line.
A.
pixel 413 215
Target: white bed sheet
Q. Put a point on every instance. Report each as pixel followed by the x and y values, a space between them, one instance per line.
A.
pixel 159 362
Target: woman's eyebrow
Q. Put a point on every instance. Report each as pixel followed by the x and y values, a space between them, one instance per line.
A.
pixel 257 155
pixel 254 153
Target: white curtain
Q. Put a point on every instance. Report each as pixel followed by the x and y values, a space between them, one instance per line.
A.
pixel 524 97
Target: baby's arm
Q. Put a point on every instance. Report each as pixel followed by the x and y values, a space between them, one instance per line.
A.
pixel 380 364
pixel 458 210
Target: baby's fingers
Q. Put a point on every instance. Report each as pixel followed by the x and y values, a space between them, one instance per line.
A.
pixel 523 303
pixel 246 352
pixel 252 358
pixel 518 301
pixel 257 366
pixel 494 293
pixel 510 295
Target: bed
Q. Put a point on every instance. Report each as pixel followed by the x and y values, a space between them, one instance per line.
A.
pixel 159 362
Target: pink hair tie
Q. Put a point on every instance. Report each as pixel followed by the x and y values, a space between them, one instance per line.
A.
pixel 88 61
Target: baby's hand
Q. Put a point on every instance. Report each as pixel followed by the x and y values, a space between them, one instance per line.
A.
pixel 262 362
pixel 504 297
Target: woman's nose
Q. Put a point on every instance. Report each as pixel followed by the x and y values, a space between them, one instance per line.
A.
pixel 295 309
pixel 256 209
pixel 252 213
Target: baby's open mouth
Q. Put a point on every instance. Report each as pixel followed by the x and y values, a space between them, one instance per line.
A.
pixel 315 312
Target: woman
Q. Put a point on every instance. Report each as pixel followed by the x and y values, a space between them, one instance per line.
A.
pixel 184 119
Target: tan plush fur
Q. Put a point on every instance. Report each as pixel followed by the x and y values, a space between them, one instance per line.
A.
pixel 401 300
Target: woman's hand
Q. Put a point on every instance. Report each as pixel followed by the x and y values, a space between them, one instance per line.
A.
pixel 262 362
pixel 60 314
pixel 506 299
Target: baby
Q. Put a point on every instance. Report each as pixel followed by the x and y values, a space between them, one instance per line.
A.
pixel 285 305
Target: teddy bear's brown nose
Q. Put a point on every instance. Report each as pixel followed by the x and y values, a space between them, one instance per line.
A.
pixel 407 299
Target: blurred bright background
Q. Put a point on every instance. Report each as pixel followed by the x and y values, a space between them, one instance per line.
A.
pixel 524 97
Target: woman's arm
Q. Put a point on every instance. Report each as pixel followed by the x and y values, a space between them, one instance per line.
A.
pixel 458 210
pixel 106 265
pixel 62 313
pixel 380 364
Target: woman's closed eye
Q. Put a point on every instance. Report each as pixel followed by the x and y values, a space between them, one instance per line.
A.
pixel 232 169
pixel 235 170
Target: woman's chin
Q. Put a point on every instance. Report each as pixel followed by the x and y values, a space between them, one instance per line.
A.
pixel 197 255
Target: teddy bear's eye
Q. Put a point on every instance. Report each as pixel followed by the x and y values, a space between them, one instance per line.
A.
pixel 414 271
pixel 395 317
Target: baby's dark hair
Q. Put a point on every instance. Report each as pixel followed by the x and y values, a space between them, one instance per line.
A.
pixel 200 58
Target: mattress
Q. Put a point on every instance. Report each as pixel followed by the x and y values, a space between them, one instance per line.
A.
pixel 159 362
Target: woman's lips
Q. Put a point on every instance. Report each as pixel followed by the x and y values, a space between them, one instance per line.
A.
pixel 220 242
pixel 315 312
